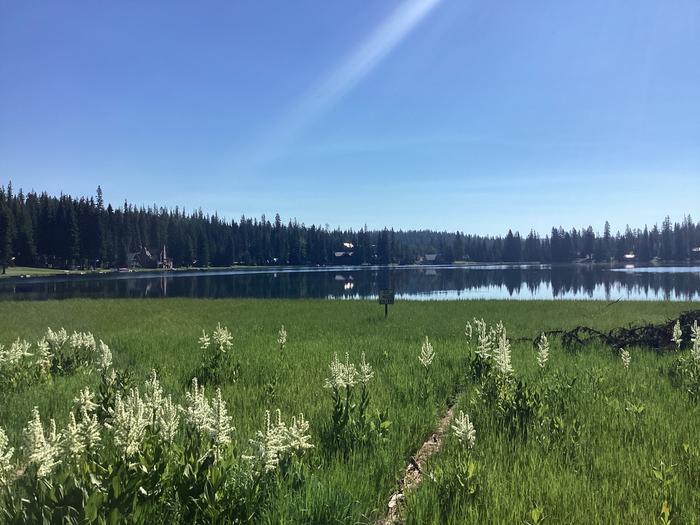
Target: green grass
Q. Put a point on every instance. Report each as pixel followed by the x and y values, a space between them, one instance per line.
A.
pixel 609 479
pixel 16 271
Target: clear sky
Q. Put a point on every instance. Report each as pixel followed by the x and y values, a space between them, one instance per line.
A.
pixel 444 114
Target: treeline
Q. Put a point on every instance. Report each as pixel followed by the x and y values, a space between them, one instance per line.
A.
pixel 66 232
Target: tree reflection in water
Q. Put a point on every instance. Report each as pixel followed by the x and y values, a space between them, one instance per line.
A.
pixel 435 282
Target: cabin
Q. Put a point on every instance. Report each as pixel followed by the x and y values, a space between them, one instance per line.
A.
pixel 428 258
pixel 344 254
pixel 146 258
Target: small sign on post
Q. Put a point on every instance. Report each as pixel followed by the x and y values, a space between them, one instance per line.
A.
pixel 386 297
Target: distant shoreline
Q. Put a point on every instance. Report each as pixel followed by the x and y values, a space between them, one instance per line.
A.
pixel 31 271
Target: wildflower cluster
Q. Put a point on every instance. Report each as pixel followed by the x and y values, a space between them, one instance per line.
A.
pixel 6 453
pixel 542 351
pixel 349 421
pixel 163 414
pixel 501 354
pixel 18 366
pixel 487 337
pixel 209 418
pixel 517 404
pixel 677 336
pixel 130 451
pixel 23 363
pixel 685 371
pixel 427 354
pixel 492 348
pixel 464 431
pixel 104 357
pixel 221 336
pixel 346 375
pixel 218 364
pixel 82 436
pixel 282 337
pixel 279 441
pixel 695 340
pixel 129 422
pixel 204 341
pixel 458 478
pixel 43 451
pixel 625 357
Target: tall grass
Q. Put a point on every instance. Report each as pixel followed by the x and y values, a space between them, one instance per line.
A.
pixel 619 424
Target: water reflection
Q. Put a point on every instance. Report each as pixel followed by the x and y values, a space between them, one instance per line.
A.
pixel 434 282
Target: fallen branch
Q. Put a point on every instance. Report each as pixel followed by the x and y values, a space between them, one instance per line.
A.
pixel 414 470
pixel 657 337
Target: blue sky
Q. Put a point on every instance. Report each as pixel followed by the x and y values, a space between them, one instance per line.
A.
pixel 444 114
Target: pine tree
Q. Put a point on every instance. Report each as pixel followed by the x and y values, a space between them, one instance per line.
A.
pixel 26 249
pixel 5 237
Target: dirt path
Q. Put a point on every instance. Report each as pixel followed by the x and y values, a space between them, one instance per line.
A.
pixel 414 469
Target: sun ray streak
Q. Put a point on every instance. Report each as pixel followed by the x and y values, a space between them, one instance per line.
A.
pixel 359 63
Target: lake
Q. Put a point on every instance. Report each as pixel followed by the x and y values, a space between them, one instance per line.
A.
pixel 439 282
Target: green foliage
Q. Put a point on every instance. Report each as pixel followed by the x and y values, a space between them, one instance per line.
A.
pixel 684 373
pixel 350 424
pixel 218 368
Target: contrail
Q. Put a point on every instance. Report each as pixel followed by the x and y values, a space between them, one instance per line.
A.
pixel 342 79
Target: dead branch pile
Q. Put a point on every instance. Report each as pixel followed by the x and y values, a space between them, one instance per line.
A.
pixel 654 336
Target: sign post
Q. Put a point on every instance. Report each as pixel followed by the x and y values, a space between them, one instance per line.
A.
pixel 386 297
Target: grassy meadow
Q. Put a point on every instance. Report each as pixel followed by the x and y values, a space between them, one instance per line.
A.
pixel 615 444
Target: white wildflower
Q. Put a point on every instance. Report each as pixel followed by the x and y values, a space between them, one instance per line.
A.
pixel 153 395
pixel 278 440
pixel 464 430
pixel 14 355
pixel 89 430
pixel 677 336
pixel 469 331
pixel 168 420
pixel 204 341
pixel 104 357
pixel 695 339
pixel 43 451
pixel 269 445
pixel 6 453
pixel 626 357
pixel 221 428
pixel 366 373
pixel 282 337
pixel 129 422
pixel 427 354
pixel 56 339
pixel 72 442
pixel 43 356
pixel 343 375
pixel 222 338
pixel 297 434
pixel 542 351
pixel 198 411
pixel 82 341
pixel 484 339
pixel 501 355
pixel 85 400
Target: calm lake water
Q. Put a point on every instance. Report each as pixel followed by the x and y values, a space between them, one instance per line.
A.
pixel 410 282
